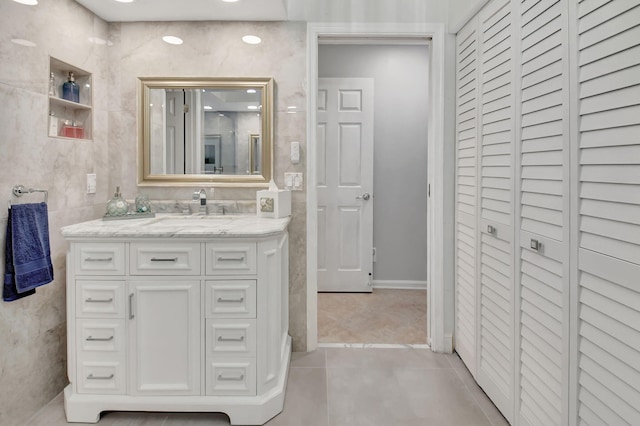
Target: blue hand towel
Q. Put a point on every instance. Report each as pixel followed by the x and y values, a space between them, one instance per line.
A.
pixel 28 256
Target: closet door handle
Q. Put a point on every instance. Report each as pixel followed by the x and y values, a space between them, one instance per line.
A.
pixel 366 196
pixel 535 244
pixel 491 230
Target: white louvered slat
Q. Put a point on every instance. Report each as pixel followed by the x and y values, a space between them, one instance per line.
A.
pixel 466 192
pixel 543 215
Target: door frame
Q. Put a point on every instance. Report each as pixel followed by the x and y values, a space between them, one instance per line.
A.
pixel 438 334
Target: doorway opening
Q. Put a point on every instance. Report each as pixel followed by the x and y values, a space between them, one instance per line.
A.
pixel 439 281
pixel 372 191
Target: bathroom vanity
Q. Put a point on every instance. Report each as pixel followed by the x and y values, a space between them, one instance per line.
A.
pixel 178 313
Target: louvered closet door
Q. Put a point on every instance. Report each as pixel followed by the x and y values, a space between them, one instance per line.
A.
pixel 543 254
pixel 496 296
pixel 608 389
pixel 466 192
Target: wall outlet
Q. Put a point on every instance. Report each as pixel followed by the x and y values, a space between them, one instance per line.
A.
pixel 91 183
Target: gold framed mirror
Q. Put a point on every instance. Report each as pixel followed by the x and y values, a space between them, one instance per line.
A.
pixel 205 131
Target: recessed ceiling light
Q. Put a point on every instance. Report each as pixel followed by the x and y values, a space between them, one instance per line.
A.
pixel 251 39
pixel 124 1
pixel 23 42
pixel 172 39
pixel 251 90
pixel 208 107
pixel 27 2
pixel 229 1
pixel 252 107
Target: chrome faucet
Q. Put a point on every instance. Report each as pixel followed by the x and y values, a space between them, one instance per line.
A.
pixel 203 201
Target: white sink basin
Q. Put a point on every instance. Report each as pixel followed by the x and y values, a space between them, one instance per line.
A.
pixel 195 220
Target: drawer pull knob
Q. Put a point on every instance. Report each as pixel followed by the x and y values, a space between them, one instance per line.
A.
pixel 239 300
pixel 231 378
pixel 230 259
pixel 98 259
pixel 161 259
pixel 92 377
pixel 90 300
pixel 99 339
pixel 230 339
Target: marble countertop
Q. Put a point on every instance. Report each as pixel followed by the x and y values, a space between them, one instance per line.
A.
pixel 179 226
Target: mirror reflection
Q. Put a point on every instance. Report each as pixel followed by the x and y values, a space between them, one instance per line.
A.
pixel 206 130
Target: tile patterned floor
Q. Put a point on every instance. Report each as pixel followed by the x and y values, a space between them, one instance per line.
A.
pixel 383 316
pixel 348 387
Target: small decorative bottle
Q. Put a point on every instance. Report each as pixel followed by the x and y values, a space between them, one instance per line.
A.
pixel 53 124
pixel 117 206
pixel 70 89
pixel 53 89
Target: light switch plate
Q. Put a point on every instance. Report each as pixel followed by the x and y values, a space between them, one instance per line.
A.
pixel 295 152
pixel 293 181
pixel 91 183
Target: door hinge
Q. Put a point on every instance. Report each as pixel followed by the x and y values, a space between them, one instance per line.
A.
pixel 428 190
pixel 185 108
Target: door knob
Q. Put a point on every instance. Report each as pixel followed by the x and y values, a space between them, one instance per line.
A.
pixel 364 196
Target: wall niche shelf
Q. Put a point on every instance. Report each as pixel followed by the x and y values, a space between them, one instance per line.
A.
pixel 72 120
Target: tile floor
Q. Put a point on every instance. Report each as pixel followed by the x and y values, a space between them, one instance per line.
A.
pixel 348 387
pixel 383 316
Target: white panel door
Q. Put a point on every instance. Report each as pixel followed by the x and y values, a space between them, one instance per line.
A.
pixel 164 337
pixel 608 279
pixel 345 184
pixel 496 298
pixel 543 255
pixel 466 192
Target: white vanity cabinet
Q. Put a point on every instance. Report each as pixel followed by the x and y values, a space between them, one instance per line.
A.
pixel 197 323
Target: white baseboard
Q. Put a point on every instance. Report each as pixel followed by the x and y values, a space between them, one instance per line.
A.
pixel 400 285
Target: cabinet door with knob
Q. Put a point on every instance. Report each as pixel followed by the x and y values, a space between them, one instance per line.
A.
pixel 164 337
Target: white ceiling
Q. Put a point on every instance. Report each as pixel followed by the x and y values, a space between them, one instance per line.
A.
pixel 188 10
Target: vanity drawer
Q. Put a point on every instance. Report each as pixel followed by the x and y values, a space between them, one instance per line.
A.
pixel 100 299
pixel 231 337
pixel 100 336
pixel 231 299
pixel 99 258
pixel 231 258
pixel 233 376
pixel 165 259
pixel 101 376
